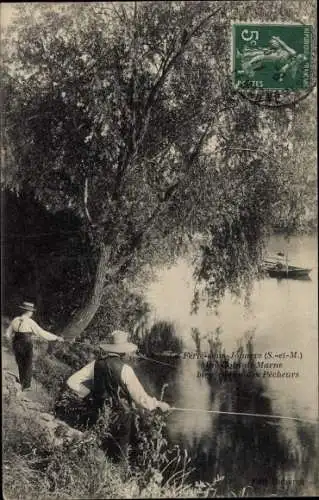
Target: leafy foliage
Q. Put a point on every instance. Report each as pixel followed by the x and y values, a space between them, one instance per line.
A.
pixel 130 121
pixel 161 337
pixel 48 259
pixel 32 469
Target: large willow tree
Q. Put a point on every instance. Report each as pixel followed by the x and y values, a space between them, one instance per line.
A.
pixel 124 113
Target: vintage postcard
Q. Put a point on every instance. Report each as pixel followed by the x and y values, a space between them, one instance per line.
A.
pixel 159 249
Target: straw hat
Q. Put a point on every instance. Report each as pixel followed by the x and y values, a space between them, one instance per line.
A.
pixel 119 343
pixel 28 306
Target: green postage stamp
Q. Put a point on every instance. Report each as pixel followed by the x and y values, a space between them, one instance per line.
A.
pixel 271 56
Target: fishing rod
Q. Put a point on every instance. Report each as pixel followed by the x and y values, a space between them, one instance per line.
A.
pixel 258 415
pixel 139 355
pixel 218 412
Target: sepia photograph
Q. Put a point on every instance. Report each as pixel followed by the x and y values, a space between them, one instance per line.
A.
pixel 159 249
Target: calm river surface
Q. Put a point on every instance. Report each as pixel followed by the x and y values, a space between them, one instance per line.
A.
pixel 283 315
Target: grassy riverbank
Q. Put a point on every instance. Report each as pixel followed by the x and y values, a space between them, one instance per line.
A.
pixel 156 469
pixel 35 470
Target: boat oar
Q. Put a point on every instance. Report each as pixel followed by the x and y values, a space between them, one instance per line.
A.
pixel 257 415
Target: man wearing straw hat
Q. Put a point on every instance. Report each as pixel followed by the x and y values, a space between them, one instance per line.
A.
pixel 115 383
pixel 20 331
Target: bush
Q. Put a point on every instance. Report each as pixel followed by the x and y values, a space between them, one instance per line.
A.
pixel 161 337
pixel 75 355
pixel 52 374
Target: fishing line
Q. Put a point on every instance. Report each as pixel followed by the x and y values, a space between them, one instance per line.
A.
pixel 260 415
pixel 217 412
pixel 139 356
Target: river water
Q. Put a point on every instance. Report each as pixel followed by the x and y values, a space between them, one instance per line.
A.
pixel 282 318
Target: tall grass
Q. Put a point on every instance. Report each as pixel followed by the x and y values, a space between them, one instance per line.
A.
pixel 228 462
pixel 34 469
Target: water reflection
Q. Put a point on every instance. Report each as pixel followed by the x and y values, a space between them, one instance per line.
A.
pixel 282 313
pixel 283 318
pixel 298 278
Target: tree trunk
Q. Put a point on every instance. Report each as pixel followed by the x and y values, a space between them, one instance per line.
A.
pixel 84 316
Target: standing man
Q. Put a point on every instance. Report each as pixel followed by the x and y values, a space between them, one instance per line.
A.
pixel 20 331
pixel 115 383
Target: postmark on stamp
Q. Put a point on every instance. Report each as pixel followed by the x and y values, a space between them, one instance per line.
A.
pixel 271 56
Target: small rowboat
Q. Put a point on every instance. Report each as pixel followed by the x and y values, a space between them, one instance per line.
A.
pixel 281 270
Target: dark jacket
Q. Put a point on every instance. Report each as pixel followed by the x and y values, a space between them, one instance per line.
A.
pixel 107 385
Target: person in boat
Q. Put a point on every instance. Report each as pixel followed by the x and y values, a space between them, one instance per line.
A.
pixel 115 385
pixel 20 331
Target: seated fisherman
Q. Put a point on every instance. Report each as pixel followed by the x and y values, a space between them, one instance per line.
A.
pixel 115 383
